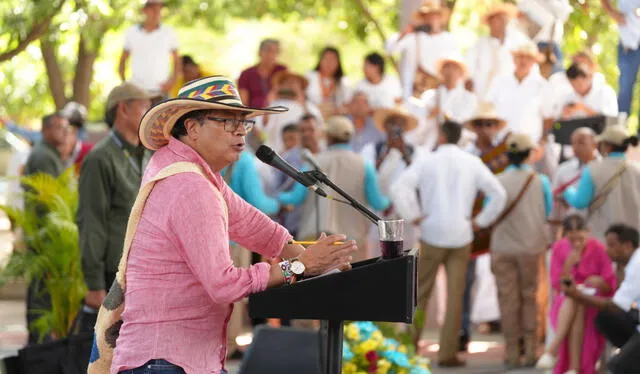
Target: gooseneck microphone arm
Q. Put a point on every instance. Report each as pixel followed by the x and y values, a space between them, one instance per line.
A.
pixel 322 178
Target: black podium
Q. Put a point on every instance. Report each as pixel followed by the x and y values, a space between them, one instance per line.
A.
pixel 374 290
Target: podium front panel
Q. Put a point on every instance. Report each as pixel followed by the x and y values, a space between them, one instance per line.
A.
pixel 374 290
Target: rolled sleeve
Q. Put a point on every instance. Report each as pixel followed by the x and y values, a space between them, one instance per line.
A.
pixel 629 292
pixel 496 194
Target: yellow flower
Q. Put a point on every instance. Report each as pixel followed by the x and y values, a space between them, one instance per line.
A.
pixel 403 371
pixel 366 346
pixel 402 348
pixel 351 332
pixel 377 337
pixel 349 368
pixel 383 366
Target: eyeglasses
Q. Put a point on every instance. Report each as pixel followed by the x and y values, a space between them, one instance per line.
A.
pixel 232 124
pixel 479 123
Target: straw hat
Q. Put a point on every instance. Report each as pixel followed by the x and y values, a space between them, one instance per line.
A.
pixel 615 135
pixel 486 111
pixel 528 49
pixel 216 92
pixel 510 10
pixel 339 127
pixel 429 7
pixel 456 59
pixel 381 115
pixel 284 74
pixel 520 143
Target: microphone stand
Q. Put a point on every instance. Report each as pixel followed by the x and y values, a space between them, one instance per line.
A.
pixel 319 176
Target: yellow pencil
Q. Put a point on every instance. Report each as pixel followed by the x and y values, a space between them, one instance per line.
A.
pixel 309 243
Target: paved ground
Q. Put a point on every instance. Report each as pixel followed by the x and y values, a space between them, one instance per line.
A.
pixel 485 357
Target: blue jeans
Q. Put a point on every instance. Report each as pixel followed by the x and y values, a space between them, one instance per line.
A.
pixel 628 63
pixel 465 326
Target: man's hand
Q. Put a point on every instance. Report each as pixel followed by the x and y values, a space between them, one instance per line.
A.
pixel 434 112
pixel 571 290
pixel 475 226
pixel 94 299
pixel 418 221
pixel 325 255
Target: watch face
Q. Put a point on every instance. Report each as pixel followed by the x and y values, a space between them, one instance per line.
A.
pixel 297 267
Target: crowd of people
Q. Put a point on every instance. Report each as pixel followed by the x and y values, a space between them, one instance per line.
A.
pixel 532 231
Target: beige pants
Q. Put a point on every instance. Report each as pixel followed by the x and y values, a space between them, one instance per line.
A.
pixel 517 281
pixel 455 261
pixel 241 258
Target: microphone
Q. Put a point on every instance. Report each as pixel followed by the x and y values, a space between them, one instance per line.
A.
pixel 307 156
pixel 271 158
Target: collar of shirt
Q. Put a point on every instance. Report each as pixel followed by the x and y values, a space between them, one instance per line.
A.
pixel 134 150
pixel 616 155
pixel 342 146
pixel 533 75
pixel 182 152
pixel 519 167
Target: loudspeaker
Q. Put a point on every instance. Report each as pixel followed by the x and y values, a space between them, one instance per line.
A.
pixel 283 350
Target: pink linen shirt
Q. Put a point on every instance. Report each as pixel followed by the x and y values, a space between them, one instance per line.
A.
pixel 180 280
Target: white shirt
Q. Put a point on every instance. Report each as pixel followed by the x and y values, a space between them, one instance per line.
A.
pixel 449 180
pixel 383 94
pixel 601 98
pixel 552 14
pixel 524 105
pixel 151 60
pixel 629 292
pixel 489 58
pixel 630 31
pixel 560 87
pixel 275 123
pixel 314 90
pixel 457 104
pixel 432 49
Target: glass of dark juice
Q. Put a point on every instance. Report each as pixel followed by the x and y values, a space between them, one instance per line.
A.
pixel 390 234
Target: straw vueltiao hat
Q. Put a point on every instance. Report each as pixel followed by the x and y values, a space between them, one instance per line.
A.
pixel 487 111
pixel 215 92
pixel 284 74
pixel 381 115
pixel 428 7
pixel 456 59
pixel 339 127
pixel 510 10
pixel 528 49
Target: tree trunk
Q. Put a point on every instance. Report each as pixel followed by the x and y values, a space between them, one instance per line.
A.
pixel 54 73
pixel 84 73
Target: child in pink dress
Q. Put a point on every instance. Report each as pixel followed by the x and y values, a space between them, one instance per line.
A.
pixel 583 260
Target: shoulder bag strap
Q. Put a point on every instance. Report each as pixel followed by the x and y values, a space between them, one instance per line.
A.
pixel 515 201
pixel 138 206
pixel 600 198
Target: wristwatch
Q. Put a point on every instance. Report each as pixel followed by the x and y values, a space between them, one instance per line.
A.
pixel 297 268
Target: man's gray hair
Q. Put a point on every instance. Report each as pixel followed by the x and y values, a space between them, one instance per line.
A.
pixel 267 42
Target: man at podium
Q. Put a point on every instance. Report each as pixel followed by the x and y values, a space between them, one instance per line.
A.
pixel 180 280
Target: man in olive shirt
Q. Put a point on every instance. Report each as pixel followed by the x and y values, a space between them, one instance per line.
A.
pixel 109 181
pixel 44 158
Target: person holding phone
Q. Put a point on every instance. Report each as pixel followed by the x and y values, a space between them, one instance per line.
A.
pixel 581 259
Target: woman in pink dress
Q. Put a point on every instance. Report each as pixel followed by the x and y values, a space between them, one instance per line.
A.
pixel 583 260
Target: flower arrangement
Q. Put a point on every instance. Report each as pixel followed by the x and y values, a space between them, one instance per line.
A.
pixel 366 351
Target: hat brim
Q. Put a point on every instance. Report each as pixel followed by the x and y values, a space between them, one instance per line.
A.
pixel 507 9
pixel 418 14
pixel 380 115
pixel 536 56
pixel 442 62
pixel 157 122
